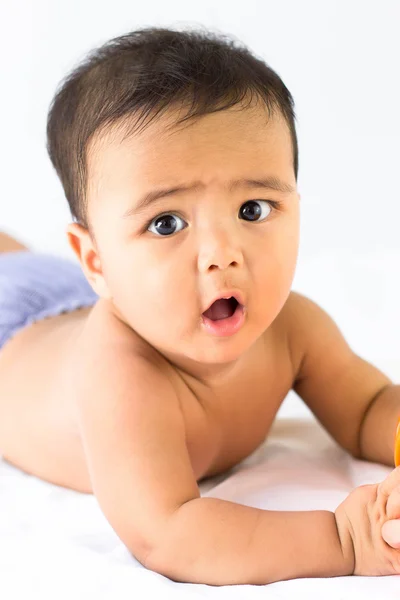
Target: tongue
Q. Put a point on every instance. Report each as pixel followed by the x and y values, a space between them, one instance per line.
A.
pixel 220 309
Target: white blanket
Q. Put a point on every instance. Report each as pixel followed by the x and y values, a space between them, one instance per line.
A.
pixel 56 543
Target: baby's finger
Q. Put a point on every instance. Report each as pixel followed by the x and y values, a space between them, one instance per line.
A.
pixel 392 480
pixel 391 533
pixel 393 504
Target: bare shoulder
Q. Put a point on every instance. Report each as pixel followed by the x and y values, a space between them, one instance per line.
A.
pixel 299 320
pixel 107 352
pixel 312 335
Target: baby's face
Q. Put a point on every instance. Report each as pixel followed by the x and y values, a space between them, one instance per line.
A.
pixel 161 273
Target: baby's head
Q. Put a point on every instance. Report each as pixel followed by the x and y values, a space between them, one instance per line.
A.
pixel 217 117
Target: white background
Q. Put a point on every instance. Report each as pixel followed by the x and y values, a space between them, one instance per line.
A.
pixel 340 60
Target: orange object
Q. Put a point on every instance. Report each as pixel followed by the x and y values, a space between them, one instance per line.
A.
pixel 397 446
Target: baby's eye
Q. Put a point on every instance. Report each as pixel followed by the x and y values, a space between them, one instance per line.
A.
pixel 165 225
pixel 251 210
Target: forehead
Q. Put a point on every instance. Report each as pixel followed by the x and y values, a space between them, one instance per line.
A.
pixel 232 139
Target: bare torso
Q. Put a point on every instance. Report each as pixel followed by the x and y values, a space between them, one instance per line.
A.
pixel 38 428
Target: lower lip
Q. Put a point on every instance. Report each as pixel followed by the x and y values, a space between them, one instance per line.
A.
pixel 225 327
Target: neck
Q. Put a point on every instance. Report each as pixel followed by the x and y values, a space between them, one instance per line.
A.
pixel 215 375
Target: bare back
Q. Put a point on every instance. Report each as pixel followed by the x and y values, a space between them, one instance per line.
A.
pixel 38 426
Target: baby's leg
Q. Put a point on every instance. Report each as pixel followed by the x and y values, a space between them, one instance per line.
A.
pixel 10 244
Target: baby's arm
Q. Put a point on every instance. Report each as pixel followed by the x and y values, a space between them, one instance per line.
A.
pixel 134 439
pixel 218 542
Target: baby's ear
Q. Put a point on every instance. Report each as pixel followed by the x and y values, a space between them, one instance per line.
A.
pixel 82 245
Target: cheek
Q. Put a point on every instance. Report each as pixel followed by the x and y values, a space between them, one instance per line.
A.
pixel 278 253
pixel 275 271
pixel 141 287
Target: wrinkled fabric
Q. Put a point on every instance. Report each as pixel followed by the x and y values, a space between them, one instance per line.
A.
pixel 36 285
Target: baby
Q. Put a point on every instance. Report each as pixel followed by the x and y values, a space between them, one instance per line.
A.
pixel 164 354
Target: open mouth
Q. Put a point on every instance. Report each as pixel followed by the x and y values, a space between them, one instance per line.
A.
pixel 221 309
pixel 225 317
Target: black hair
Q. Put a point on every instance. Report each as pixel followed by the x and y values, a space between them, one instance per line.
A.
pixel 143 73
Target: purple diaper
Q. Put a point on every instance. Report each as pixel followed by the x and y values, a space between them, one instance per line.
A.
pixel 35 285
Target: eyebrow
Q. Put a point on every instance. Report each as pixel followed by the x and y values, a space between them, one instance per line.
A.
pixel 270 183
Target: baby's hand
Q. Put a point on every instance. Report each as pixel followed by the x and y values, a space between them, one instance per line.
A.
pixel 391 529
pixel 371 516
